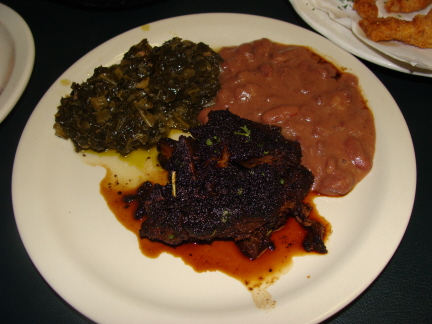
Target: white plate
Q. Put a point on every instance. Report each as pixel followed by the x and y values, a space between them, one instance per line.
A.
pixel 17 53
pixel 95 264
pixel 344 37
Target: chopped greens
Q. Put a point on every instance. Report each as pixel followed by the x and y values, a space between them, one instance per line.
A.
pixel 136 102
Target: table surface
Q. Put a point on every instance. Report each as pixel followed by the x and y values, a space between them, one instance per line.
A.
pixel 63 33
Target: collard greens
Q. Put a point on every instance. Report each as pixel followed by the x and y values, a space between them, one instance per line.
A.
pixel 136 102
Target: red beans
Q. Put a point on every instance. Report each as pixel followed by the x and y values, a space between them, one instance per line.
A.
pixel 310 99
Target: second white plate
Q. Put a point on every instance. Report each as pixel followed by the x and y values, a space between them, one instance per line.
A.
pixel 344 37
pixel 16 42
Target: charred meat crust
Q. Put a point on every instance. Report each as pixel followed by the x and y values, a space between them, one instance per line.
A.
pixel 234 179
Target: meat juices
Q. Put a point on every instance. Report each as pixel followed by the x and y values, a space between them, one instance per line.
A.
pixel 310 99
pixel 233 179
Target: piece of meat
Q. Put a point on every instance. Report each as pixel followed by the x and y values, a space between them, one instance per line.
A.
pixel 417 32
pixel 234 179
pixel 366 8
pixel 406 6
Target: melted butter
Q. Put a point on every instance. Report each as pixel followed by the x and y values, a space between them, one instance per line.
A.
pixel 136 158
pixel 127 173
pixel 139 162
pixel 145 27
pixel 65 82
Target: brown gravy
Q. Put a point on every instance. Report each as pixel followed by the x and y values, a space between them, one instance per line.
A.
pixel 310 99
pixel 220 256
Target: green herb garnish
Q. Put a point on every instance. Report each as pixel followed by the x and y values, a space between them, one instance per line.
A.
pixel 246 131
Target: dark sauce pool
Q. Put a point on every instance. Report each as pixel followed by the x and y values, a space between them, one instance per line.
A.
pixel 223 256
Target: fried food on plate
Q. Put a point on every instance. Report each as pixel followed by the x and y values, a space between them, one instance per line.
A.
pixel 417 32
pixel 406 6
pixel 366 8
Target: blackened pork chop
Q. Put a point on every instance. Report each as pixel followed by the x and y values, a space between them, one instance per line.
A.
pixel 234 179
